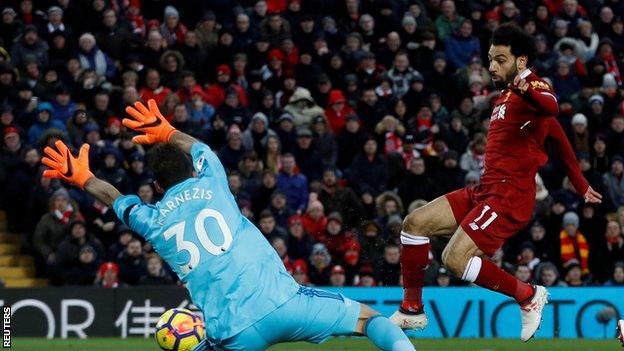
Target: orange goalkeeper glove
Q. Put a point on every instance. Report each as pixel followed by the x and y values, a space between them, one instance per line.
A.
pixel 149 121
pixel 65 166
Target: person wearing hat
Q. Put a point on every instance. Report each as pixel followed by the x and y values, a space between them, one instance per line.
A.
pixel 306 153
pixel 207 30
pixel 614 182
pixel 286 133
pixel 369 72
pixel 337 276
pixel 10 26
pixel 257 133
pixel 580 133
pixel 366 277
pixel 573 245
pixel 29 44
pixel 216 92
pixel 319 265
pixel 51 229
pixel 45 120
pixel 324 142
pixel 69 251
pixel 299 242
pixel 302 107
pixel 172 28
pixel 337 111
pixel 137 172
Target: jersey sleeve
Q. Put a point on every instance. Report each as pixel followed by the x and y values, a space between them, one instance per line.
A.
pixel 542 96
pixel 205 161
pixel 565 152
pixel 134 214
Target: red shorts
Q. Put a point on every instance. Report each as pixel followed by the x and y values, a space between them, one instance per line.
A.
pixel 492 213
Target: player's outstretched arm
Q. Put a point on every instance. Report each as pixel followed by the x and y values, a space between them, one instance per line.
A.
pixel 155 128
pixel 75 170
pixel 565 152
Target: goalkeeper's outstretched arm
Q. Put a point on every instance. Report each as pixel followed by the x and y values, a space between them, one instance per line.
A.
pixel 75 170
pixel 102 191
pixel 149 121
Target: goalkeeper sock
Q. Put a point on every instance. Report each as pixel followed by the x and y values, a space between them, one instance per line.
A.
pixel 488 275
pixel 386 336
pixel 414 261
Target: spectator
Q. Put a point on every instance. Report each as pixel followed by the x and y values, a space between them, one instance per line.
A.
pixel 308 158
pixel 617 276
pixel 614 182
pixel 261 197
pixel 172 29
pixel 337 111
pixel 462 45
pixel 443 278
pixel 350 142
pixel 548 275
pixel 401 74
pixel 52 227
pixel 448 21
pixel 257 134
pixel 232 153
pixel 299 242
pixel 367 277
pixel 108 275
pixel 45 121
pixel 341 199
pixel 269 228
pixel 337 277
pixel 91 57
pixel 153 88
pixel 156 275
pixel 319 265
pixel 369 172
pixel 523 273
pixel 29 44
pixel 131 263
pixel 574 275
pixel 78 256
pixel 390 271
pixel 293 184
pixel 300 272
pixel 324 142
pixel 314 220
pixel 574 247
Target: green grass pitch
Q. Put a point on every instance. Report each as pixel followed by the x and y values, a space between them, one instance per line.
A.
pixel 337 344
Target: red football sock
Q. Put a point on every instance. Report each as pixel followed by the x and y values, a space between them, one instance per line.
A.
pixel 493 278
pixel 414 261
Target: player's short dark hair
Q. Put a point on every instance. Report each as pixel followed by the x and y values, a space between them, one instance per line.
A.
pixel 519 41
pixel 169 165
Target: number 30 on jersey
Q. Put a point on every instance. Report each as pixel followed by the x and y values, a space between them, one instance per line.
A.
pixel 177 230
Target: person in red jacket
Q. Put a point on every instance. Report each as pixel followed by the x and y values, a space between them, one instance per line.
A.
pixel 153 89
pixel 215 94
pixel 337 111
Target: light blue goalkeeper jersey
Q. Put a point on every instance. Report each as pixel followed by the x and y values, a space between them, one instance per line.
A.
pixel 232 273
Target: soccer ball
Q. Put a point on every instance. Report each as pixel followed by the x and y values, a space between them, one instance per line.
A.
pixel 179 329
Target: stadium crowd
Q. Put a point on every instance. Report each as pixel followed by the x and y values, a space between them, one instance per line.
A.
pixel 333 119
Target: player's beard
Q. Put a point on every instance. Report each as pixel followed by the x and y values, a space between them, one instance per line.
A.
pixel 509 78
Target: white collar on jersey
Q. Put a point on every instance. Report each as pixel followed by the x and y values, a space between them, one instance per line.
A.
pixel 525 73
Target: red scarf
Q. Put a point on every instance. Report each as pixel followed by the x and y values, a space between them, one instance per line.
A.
pixel 573 247
pixel 64 216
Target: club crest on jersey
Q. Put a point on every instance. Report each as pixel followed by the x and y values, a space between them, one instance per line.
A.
pixel 499 112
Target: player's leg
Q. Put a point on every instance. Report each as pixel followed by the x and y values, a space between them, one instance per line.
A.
pixel 381 331
pixel 435 218
pixel 462 257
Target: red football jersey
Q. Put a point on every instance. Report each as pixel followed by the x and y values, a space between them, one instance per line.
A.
pixel 519 125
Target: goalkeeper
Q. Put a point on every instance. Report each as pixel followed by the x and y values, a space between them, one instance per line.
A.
pixel 233 275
